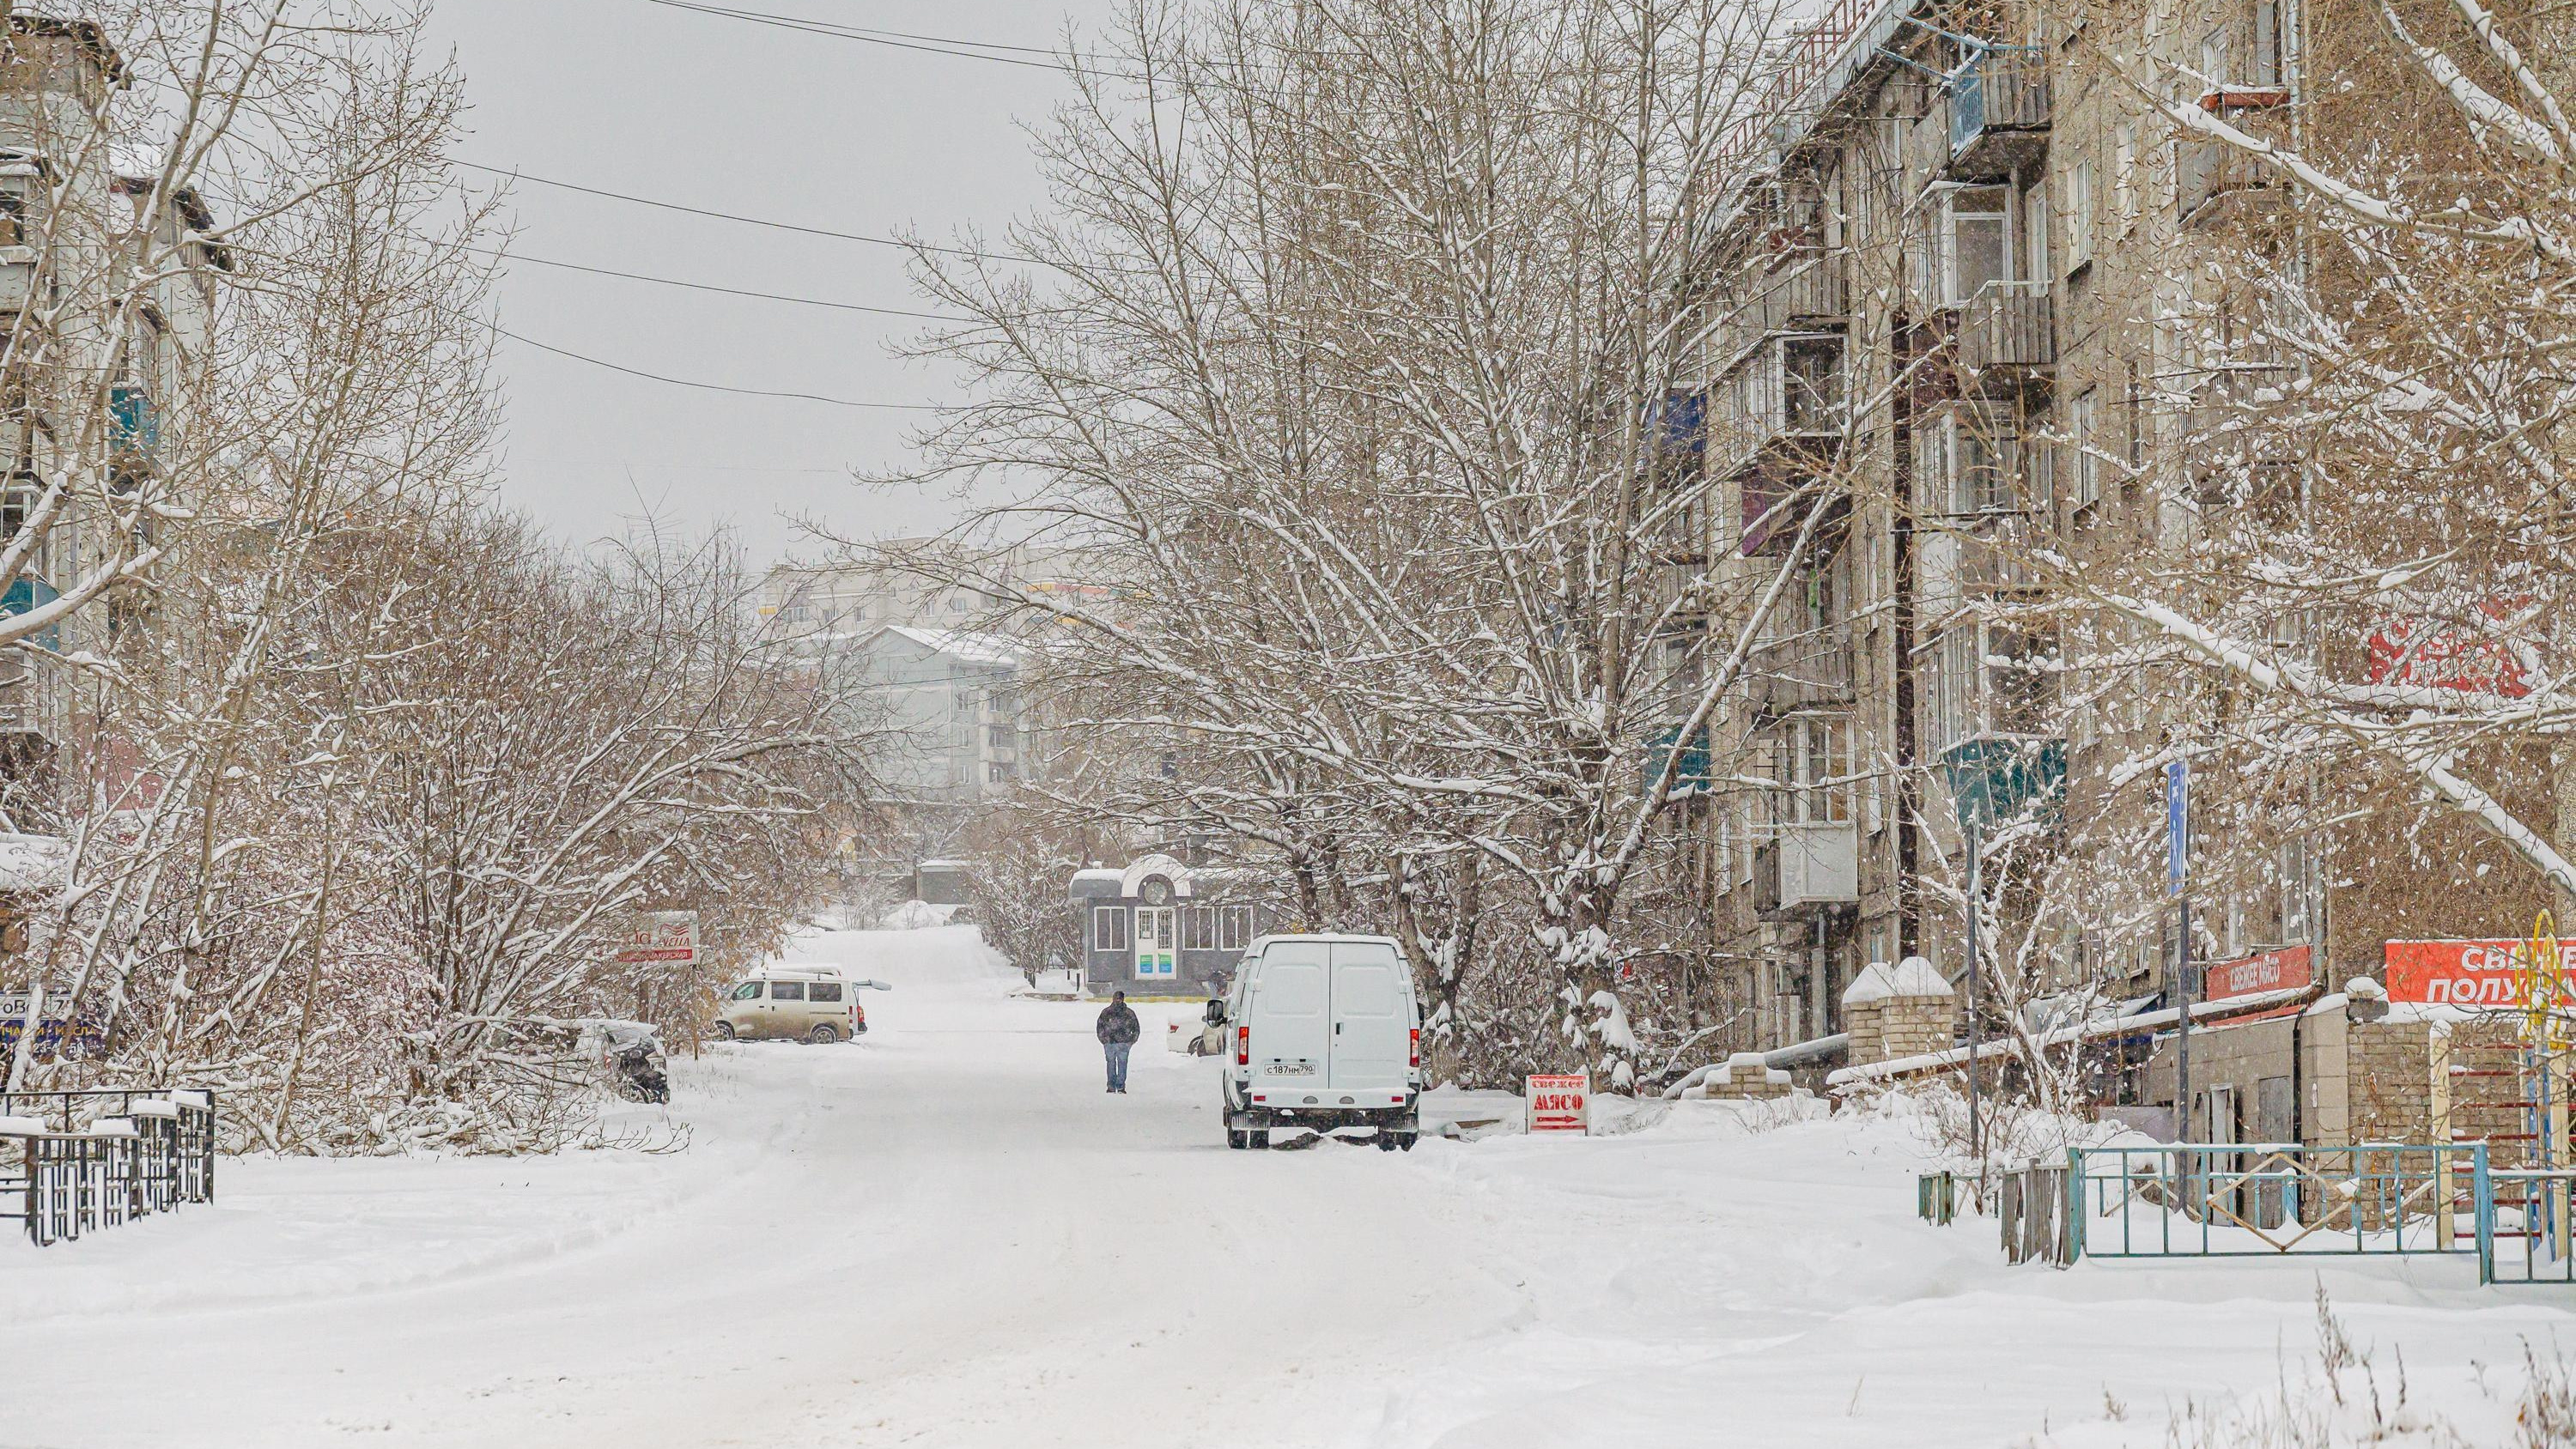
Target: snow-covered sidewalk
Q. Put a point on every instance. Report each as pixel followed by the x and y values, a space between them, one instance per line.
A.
pixel 948 1235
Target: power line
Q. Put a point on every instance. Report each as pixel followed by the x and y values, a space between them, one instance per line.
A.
pixel 893 39
pixel 711 287
pixel 705 386
pixel 881 241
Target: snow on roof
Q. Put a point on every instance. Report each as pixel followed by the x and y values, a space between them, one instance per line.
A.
pixel 964 644
pixel 1872 984
pixel 1149 865
pixel 2099 1026
pixel 1879 981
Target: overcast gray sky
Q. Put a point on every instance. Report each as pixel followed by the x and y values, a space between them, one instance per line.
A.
pixel 634 97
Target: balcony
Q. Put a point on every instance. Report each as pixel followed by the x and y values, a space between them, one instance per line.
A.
pixel 1800 671
pixel 134 425
pixel 1782 400
pixel 2008 329
pixel 25 594
pixel 1803 867
pixel 1996 778
pixel 2216 183
pixel 1805 297
pixel 1998 113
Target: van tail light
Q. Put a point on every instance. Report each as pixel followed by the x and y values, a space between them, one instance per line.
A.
pixel 1243 1046
pixel 1415 1048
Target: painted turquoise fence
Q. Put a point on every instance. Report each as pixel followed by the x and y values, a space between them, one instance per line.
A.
pixel 2522 1224
pixel 2261 1200
pixel 2272 1200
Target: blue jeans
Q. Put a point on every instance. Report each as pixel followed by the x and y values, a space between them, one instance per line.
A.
pixel 1118 1051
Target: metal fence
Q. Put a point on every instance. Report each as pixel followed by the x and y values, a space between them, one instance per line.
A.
pixel 2218 1200
pixel 2522 1224
pixel 2269 1200
pixel 88 1160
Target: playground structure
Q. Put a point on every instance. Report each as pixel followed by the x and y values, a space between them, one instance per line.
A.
pixel 2537 1193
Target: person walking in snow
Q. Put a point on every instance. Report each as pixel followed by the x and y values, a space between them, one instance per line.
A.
pixel 1117 1030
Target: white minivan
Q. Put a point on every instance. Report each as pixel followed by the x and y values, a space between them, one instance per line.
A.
pixel 1322 1032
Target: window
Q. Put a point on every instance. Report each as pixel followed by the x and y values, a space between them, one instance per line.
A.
pixel 1812 761
pixel 2295 886
pixel 747 991
pixel 1109 928
pixel 18 499
pixel 998 773
pixel 1001 736
pixel 2266 67
pixel 1198 929
pixel 2034 228
pixel 2079 214
pixel 824 991
pixel 1237 927
pixel 2083 425
pixel 1811 384
pixel 787 991
pixel 2213 56
pixel 17 211
pixel 1952 692
pixel 1975 228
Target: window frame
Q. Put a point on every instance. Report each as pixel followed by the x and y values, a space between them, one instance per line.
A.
pixel 1112 916
pixel 787 991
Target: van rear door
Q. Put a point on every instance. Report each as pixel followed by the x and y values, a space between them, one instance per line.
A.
pixel 1372 1022
pixel 1290 1013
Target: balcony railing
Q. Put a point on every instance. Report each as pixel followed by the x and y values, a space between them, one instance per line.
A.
pixel 1803 866
pixel 2208 172
pixel 2007 325
pixel 1801 670
pixel 1794 299
pixel 1998 112
pixel 1786 392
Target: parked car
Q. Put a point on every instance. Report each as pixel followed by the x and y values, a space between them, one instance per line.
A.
pixel 801 1003
pixel 1324 1033
pixel 630 1058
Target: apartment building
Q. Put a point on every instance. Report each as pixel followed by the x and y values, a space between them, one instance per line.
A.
pixel 1932 337
pixel 99 357
pixel 849 599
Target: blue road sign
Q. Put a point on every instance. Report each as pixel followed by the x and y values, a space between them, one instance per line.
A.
pixel 2177 824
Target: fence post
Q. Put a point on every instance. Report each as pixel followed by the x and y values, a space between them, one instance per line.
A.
pixel 2074 1205
pixel 2484 1208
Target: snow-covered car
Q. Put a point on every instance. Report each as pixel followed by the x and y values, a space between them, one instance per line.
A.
pixel 1202 1038
pixel 794 1002
pixel 1323 1033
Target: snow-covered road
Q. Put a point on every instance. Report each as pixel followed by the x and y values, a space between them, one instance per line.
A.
pixel 948 1235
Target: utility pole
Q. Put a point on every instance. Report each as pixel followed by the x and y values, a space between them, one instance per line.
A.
pixel 1976 891
pixel 2177 878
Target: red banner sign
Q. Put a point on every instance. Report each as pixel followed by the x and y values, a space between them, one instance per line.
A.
pixel 2466 973
pixel 2267 971
pixel 2448 659
pixel 1560 1103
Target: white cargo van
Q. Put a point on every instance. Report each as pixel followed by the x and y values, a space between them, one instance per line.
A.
pixel 1322 1033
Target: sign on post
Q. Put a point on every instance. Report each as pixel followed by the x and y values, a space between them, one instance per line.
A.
pixel 2177 824
pixel 2263 971
pixel 1560 1103
pixel 665 937
pixel 2485 974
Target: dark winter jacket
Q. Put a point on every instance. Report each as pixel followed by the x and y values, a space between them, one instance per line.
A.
pixel 1117 1024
